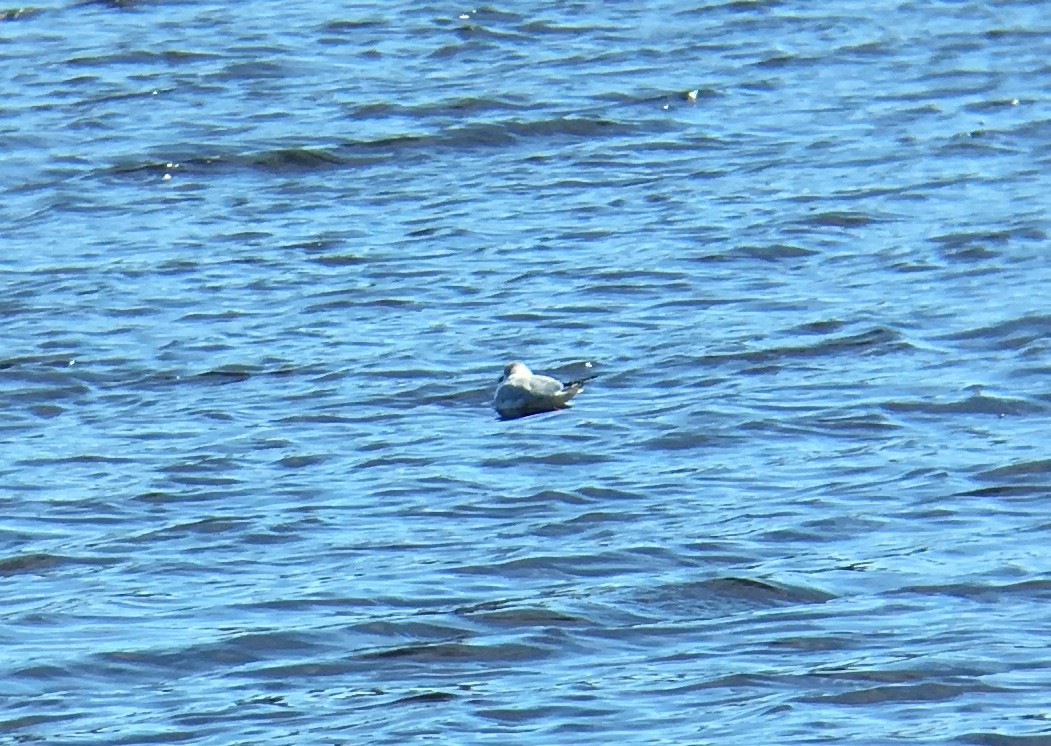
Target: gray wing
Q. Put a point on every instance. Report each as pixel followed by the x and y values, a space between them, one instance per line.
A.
pixel 543 386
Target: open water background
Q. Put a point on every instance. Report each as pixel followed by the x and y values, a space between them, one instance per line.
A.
pixel 261 264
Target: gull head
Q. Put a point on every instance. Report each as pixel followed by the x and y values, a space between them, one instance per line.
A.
pixel 515 368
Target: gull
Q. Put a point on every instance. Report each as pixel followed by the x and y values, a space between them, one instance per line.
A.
pixel 521 392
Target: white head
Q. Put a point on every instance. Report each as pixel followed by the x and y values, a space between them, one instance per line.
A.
pixel 515 368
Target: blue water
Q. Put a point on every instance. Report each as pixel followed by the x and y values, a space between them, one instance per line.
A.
pixel 262 264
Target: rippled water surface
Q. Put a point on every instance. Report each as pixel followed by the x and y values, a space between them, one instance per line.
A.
pixel 262 264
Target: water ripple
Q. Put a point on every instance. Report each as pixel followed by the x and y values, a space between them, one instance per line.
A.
pixel 262 268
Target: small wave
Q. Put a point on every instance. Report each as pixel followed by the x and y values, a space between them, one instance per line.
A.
pixel 976 404
pixel 297 159
pixel 968 239
pixel 999 738
pixel 459 652
pixel 1008 490
pixel 926 691
pixel 779 61
pixel 856 423
pixel 877 340
pixel 19 14
pixel 36 563
pixel 717 597
pixel 427 697
pixel 525 616
pixel 557 458
pixel 1020 471
pixel 1008 335
pixel 115 4
pixel 685 440
pixel 842 219
pixel 1030 589
pixel 395 460
pixel 143 57
pixel 360 153
pixel 36 361
pixel 588 565
pixel 769 252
